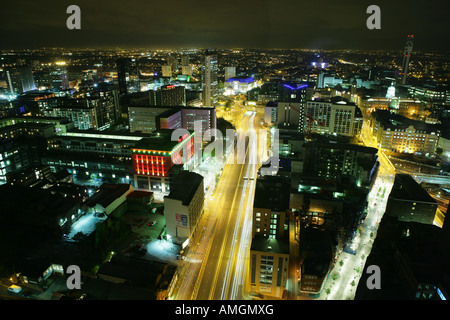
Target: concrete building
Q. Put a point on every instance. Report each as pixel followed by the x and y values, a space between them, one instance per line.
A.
pixel 168 95
pixel 270 207
pixel 210 80
pixel 269 252
pixel 166 71
pixel 183 206
pixel 154 156
pixel 393 132
pixel 110 199
pixel 143 119
pixel 332 161
pixel 230 72
pixel 269 261
pixel 335 116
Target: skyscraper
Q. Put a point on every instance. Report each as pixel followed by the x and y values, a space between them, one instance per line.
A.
pixel 166 71
pixel 230 72
pixel 128 75
pixel 26 75
pixel 210 81
pixel 184 60
pixel 406 57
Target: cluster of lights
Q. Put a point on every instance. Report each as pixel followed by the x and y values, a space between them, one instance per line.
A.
pixel 150 165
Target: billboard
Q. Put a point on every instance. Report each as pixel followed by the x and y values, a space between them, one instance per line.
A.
pixel 182 220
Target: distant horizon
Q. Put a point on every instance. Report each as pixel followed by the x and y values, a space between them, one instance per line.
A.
pixel 115 48
pixel 263 24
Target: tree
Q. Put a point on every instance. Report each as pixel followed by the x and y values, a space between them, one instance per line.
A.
pixel 439 151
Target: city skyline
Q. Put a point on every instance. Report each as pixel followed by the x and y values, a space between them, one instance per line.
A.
pixel 236 153
pixel 262 24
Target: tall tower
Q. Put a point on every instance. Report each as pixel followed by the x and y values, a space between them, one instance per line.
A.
pixel 407 56
pixel 127 75
pixel 210 80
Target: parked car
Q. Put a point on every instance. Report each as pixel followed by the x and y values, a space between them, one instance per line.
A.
pixel 15 289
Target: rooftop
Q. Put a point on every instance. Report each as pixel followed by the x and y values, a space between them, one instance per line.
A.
pixel 393 121
pixel 278 246
pixel 184 187
pixel 406 188
pixel 160 140
pixel 107 194
pixel 272 192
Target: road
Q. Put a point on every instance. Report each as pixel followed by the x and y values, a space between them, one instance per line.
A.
pixel 227 263
pixel 217 260
pixel 344 277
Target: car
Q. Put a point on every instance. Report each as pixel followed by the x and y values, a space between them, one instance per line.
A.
pixel 14 289
pixel 151 224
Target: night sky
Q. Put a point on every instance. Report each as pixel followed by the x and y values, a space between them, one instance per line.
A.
pixel 313 24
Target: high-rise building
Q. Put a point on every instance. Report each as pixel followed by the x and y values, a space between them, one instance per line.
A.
pixel 128 75
pixel 26 74
pixel 186 70
pixel 406 57
pixel 172 62
pixel 333 116
pixel 210 81
pixel 166 71
pixel 168 95
pixel 230 72
pixel 183 207
pixel 184 60
pixel 269 250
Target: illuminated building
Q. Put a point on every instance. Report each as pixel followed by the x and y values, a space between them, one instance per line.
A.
pixel 290 114
pixel 185 60
pixel 210 80
pixel 154 156
pixel 41 129
pixel 331 161
pixel 269 261
pixel 172 61
pixel 61 124
pixel 406 57
pixel 238 85
pixel 147 119
pixel 16 156
pixel 20 79
pixel 230 72
pixel 86 113
pixel 390 91
pixel 430 93
pixel 143 119
pixel 269 252
pixel 26 75
pixel 334 116
pixel 183 206
pixel 186 70
pixel 168 96
pixel 170 119
pixel 393 132
pixel 166 71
